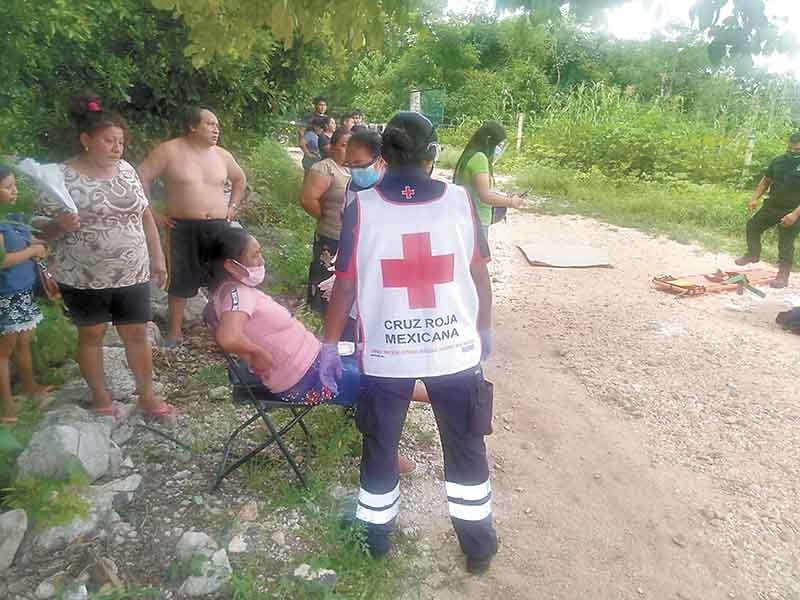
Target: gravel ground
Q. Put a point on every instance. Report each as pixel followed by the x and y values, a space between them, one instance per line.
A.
pixel 644 447
pixel 645 444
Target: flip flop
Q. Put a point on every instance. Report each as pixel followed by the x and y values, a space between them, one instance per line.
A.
pixel 163 411
pixel 105 411
pixel 173 343
pixel 8 421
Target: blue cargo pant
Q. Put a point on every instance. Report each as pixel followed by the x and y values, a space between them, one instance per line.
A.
pixel 462 424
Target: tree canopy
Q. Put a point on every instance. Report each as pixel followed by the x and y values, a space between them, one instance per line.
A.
pixel 736 28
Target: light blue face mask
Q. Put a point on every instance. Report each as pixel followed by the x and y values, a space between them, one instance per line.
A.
pixel 498 150
pixel 365 177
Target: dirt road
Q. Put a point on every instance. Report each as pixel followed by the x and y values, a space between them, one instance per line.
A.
pixel 645 446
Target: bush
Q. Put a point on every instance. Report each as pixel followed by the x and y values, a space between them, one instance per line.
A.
pixel 603 128
pixel 276 218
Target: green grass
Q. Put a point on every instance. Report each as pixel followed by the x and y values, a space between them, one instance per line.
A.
pixel 336 443
pixel 710 215
pixel 13 440
pixel 213 376
pixel 48 503
pixel 341 549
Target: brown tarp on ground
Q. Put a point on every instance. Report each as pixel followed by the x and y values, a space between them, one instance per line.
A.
pixel 564 256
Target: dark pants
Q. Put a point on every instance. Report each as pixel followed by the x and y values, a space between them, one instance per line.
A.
pixel 764 219
pixel 380 417
pixel 325 249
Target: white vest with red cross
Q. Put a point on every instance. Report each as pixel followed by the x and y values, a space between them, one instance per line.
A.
pixel 417 302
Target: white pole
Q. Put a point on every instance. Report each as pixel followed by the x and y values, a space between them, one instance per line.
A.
pixel 415 101
pixel 748 155
pixel 520 122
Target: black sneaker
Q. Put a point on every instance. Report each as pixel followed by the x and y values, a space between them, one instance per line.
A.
pixel 477 566
pixel 779 282
pixel 745 260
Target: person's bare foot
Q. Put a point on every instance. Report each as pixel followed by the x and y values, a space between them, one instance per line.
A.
pixel 37 390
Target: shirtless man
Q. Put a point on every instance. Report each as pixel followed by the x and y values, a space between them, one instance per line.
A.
pixel 194 170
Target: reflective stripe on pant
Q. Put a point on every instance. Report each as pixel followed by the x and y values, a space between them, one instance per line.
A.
pixel 381 414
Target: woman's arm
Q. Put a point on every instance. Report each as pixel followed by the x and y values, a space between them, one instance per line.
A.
pixel 480 277
pixel 12 259
pixel 158 266
pixel 482 182
pixel 231 337
pixel 314 187
pixel 51 228
pixel 342 298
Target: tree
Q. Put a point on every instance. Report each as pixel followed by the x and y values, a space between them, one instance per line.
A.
pixel 745 31
pixel 231 27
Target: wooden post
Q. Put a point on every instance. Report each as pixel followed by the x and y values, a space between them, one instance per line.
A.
pixel 520 122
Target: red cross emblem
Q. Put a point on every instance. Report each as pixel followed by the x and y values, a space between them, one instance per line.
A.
pixel 408 192
pixel 418 271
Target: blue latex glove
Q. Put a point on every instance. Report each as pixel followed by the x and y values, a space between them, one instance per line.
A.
pixel 486 343
pixel 330 367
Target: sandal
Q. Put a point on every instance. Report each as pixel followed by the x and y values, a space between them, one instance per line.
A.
pixel 164 411
pixel 110 410
pixel 8 421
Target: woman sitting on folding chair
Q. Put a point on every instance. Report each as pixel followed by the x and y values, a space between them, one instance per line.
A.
pixel 249 323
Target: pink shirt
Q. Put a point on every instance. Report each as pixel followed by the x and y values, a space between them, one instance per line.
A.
pixel 292 346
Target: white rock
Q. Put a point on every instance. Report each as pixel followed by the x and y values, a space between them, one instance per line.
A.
pixel 77 593
pixel 122 490
pixel 114 458
pixel 119 378
pixel 122 434
pixel 220 393
pixel 326 577
pixel 45 590
pixel 303 571
pixel 248 512
pixel 279 538
pixel 100 515
pixel 194 542
pixel 237 545
pixel 67 438
pixel 13 525
pixel 127 463
pixel 215 573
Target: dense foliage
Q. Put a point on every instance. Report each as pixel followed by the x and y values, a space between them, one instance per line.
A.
pixel 656 109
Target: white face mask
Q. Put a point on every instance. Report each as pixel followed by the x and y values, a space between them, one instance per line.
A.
pixel 498 150
pixel 255 275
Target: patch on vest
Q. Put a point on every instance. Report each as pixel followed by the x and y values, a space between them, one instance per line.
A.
pixel 421 331
pixel 234 299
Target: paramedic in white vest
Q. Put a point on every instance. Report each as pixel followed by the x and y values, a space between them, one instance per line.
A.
pixel 413 258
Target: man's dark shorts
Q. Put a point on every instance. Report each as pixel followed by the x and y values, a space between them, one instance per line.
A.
pixel 189 244
pixel 128 305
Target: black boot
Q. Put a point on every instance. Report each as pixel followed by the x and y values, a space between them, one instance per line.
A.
pixel 746 260
pixel 782 280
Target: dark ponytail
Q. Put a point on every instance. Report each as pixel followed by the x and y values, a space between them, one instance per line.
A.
pixel 90 116
pixel 397 147
pixel 409 139
pixel 228 244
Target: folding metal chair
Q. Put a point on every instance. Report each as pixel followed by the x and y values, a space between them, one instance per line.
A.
pixel 248 389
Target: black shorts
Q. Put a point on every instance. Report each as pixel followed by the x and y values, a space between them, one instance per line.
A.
pixel 121 306
pixel 187 258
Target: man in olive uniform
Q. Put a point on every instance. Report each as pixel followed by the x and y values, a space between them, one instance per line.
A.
pixel 782 179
